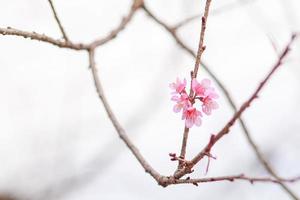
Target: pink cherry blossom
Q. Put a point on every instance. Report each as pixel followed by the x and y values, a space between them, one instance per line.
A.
pixel 178 86
pixel 182 102
pixel 203 89
pixel 208 105
pixel 191 116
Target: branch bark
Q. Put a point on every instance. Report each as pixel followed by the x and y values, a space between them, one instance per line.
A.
pixel 58 21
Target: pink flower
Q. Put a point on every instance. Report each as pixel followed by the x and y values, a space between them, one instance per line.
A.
pixel 208 105
pixel 182 102
pixel 203 89
pixel 178 86
pixel 191 116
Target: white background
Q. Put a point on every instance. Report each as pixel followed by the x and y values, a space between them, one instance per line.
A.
pixel 56 141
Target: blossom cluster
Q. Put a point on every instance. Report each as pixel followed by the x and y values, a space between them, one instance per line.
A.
pixel 185 102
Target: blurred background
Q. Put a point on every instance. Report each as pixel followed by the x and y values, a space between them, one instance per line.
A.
pixel 56 142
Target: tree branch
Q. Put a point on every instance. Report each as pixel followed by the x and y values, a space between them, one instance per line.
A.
pixel 233 178
pixel 125 20
pixel 43 38
pixel 221 9
pixel 266 165
pixel 201 49
pixel 121 132
pixel 201 46
pixel 76 46
pixel 58 21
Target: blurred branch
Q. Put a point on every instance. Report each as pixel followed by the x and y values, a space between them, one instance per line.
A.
pixel 267 166
pixel 221 9
pixel 58 21
pixel 125 20
pixel 43 38
pixel 75 46
pixel 121 132
pixel 234 178
pixel 6 197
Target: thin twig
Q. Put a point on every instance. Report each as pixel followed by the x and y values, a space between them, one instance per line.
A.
pixel 233 178
pixel 201 46
pixel 121 132
pixel 201 49
pixel 125 20
pixel 184 142
pixel 267 166
pixel 215 11
pixel 58 21
pixel 76 46
pixel 43 38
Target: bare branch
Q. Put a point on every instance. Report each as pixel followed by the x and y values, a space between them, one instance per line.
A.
pixel 76 46
pixel 58 21
pixel 121 132
pixel 44 38
pixel 201 46
pixel 221 9
pixel 233 178
pixel 266 165
pixel 125 20
pixel 184 142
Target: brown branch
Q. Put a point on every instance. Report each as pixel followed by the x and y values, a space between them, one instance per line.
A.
pixel 201 49
pixel 191 52
pixel 121 132
pixel 125 20
pixel 233 178
pixel 201 46
pixel 58 21
pixel 75 46
pixel 266 165
pixel 184 142
pixel 227 127
pixel 43 38
pixel 221 9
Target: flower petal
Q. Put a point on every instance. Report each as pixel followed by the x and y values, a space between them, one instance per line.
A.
pixel 206 109
pixel 189 123
pixel 177 108
pixel 198 121
pixel 205 82
pixel 195 84
pixel 214 105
